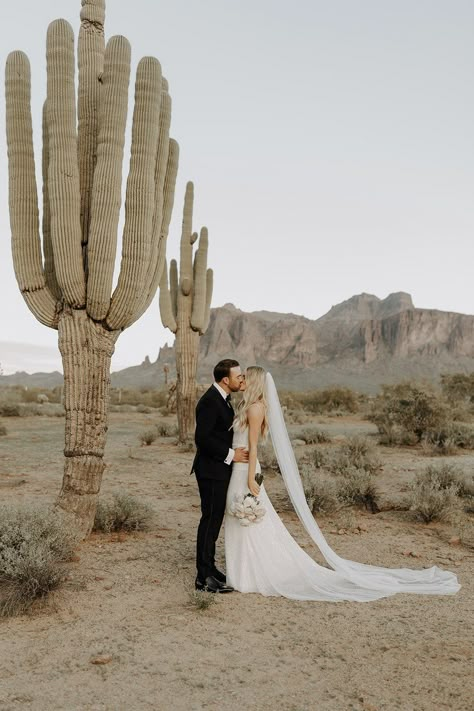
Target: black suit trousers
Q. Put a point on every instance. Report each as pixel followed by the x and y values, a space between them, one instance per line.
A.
pixel 213 494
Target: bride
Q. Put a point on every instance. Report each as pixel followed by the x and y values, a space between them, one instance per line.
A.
pixel 264 558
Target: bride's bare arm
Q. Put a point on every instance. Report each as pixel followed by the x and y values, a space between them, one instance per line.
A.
pixel 255 417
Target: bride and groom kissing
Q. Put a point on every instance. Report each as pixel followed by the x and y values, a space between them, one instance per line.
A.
pixel 265 558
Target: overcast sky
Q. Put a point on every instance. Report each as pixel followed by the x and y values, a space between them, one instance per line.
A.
pixel 330 143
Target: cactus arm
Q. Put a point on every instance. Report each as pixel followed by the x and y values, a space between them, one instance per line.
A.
pixel 49 272
pixel 106 191
pixel 167 318
pixel 199 291
pixel 63 172
pixel 174 287
pixel 207 310
pixel 168 200
pixel 90 52
pixel 139 201
pixel 186 249
pixel 23 194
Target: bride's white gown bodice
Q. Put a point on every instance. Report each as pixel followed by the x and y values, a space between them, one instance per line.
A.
pixel 264 558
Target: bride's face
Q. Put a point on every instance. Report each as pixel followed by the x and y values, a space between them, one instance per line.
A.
pixel 243 384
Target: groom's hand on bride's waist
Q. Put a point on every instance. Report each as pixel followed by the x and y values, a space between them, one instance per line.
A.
pixel 241 455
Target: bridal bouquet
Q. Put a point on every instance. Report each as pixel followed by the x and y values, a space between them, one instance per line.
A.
pixel 247 509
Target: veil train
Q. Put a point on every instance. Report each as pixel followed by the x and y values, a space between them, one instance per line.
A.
pixel 425 581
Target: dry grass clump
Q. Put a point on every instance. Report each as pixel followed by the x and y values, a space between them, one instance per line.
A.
pixel 147 437
pixel 122 513
pixel 166 430
pixel 357 488
pixel 408 412
pixel 34 544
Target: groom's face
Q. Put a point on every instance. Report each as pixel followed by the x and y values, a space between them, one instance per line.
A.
pixel 234 380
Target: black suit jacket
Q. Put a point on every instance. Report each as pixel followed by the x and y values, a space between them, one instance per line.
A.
pixel 213 436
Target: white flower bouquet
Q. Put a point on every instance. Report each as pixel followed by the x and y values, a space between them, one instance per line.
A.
pixel 247 509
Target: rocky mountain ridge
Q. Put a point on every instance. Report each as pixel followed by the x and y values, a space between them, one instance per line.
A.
pixel 361 342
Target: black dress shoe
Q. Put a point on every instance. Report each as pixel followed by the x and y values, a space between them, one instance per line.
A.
pixel 219 576
pixel 212 585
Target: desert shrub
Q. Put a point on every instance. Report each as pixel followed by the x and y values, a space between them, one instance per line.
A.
pixel 144 409
pixel 356 453
pixel 432 500
pixel 3 430
pixel 9 409
pixel 166 430
pixel 356 487
pixel 122 513
pixel 447 475
pixel 448 439
pixel 147 437
pixel 406 412
pixel 267 457
pixel 320 491
pixel 458 387
pixel 328 400
pixel 34 543
pixel 313 435
pixel 143 396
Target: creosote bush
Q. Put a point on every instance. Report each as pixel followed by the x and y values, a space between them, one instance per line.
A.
pixel 313 435
pixel 407 412
pixel 448 439
pixel 122 513
pixel 34 545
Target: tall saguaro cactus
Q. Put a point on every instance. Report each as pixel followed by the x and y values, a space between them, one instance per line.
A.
pixel 69 287
pixel 185 306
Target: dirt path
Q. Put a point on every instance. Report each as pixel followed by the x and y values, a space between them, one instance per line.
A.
pixel 127 601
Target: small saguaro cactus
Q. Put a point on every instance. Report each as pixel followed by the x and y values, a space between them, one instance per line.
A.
pixel 185 306
pixel 71 288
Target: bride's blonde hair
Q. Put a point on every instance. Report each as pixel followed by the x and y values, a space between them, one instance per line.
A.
pixel 254 392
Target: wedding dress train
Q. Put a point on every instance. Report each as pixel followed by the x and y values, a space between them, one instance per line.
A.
pixel 264 558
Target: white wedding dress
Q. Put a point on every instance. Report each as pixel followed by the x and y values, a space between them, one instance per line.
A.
pixel 264 558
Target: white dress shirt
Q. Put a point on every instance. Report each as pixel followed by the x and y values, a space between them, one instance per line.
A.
pixel 230 457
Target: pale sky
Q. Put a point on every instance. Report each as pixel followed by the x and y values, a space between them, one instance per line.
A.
pixel 330 143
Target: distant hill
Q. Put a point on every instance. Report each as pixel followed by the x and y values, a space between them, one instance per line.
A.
pixel 362 342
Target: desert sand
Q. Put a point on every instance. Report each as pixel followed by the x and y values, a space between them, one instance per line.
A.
pixel 122 633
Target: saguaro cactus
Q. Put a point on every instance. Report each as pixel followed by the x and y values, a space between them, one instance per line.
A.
pixel 185 306
pixel 71 290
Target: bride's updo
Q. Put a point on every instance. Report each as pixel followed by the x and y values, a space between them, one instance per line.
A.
pixel 254 392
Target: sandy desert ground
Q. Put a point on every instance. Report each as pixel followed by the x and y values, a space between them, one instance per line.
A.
pixel 127 601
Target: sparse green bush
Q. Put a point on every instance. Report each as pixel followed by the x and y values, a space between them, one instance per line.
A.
pixel 431 500
pixel 202 600
pixel 34 543
pixel 147 437
pixel 407 412
pixel 122 513
pixel 320 491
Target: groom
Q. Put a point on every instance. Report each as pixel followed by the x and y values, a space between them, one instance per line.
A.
pixel 213 467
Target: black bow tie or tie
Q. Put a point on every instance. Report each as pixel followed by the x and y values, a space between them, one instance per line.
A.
pixel 228 401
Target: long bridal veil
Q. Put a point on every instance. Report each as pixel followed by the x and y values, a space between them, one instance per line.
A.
pixel 387 581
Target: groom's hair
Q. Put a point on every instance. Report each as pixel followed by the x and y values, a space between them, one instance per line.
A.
pixel 222 369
